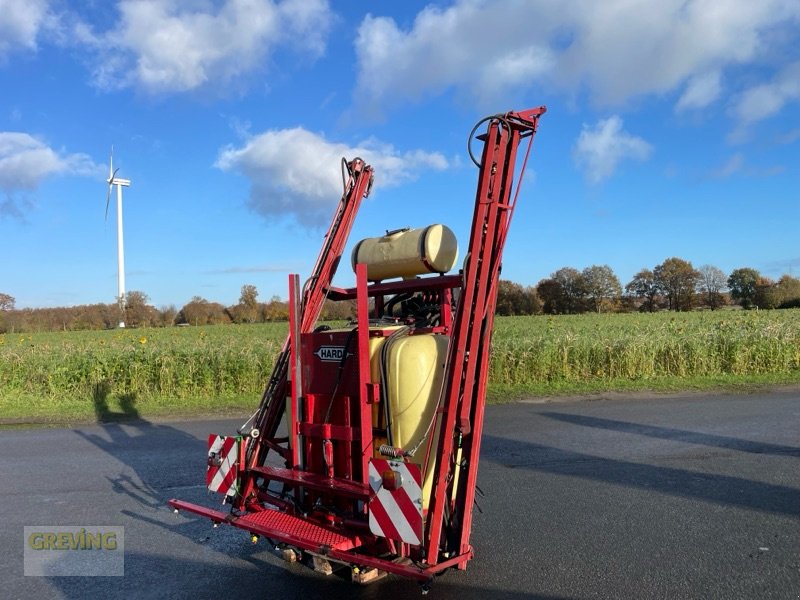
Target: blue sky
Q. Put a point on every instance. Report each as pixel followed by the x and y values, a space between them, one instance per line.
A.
pixel 673 129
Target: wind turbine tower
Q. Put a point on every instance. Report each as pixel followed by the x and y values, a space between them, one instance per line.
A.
pixel 113 180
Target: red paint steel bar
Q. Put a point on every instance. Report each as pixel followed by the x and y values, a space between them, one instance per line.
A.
pixel 461 411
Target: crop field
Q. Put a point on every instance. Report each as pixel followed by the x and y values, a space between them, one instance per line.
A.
pixel 659 351
pixel 78 375
pixel 180 370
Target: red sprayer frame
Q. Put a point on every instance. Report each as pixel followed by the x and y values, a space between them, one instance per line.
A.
pixel 327 505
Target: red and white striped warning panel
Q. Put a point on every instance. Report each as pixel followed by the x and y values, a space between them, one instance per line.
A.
pixel 395 509
pixel 223 463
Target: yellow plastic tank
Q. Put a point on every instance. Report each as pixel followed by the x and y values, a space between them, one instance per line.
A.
pixel 407 253
pixel 375 345
pixel 415 370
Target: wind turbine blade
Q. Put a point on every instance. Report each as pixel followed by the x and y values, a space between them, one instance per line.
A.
pixel 111 165
pixel 108 199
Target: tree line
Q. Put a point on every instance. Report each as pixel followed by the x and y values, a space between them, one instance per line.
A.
pixel 138 312
pixel 672 285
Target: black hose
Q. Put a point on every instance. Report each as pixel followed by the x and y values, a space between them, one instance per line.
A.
pixel 499 117
pixel 340 373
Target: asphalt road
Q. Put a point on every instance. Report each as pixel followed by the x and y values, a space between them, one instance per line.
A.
pixel 647 498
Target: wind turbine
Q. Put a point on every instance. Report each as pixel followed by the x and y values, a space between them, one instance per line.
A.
pixel 113 180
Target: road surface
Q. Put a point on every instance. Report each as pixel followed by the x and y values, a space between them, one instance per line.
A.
pixel 681 497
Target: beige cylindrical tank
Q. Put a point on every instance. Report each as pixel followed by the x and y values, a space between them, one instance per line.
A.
pixel 407 253
pixel 415 370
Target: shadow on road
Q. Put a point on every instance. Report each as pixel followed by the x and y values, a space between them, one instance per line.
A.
pixel 721 489
pixel 144 448
pixel 159 461
pixel 156 575
pixel 676 435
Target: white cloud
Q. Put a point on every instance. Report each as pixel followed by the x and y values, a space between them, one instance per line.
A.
pixel 737 165
pixel 734 165
pixel 768 99
pixel 615 50
pixel 26 161
pixel 181 45
pixel 20 23
pixel 701 91
pixel 458 47
pixel 294 172
pixel 790 137
pixel 600 149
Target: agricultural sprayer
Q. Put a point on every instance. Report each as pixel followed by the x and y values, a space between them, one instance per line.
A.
pixel 377 426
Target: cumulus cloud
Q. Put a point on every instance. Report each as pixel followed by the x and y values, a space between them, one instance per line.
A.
pixel 26 161
pixel 20 23
pixel 601 148
pixel 615 50
pixel 295 172
pixel 450 48
pixel 166 46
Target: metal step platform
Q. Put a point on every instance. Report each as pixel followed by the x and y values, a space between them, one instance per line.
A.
pixel 278 527
pixel 339 487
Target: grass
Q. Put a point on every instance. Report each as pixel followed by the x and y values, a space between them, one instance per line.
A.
pixel 645 349
pixel 78 376
pixel 82 376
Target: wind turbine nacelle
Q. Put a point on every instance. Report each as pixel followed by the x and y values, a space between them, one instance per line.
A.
pixel 118 181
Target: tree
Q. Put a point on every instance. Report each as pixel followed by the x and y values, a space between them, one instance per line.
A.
pixel 7 302
pixel 249 295
pixel 200 311
pixel 138 313
pixel 788 292
pixel 767 293
pixel 334 311
pixel 563 292
pixel 742 283
pixel 247 311
pixel 677 279
pixel 194 312
pixel 643 285
pixel 166 315
pixel 552 296
pixel 711 283
pixel 275 310
pixel 513 299
pixel 572 289
pixel 216 314
pixel 601 287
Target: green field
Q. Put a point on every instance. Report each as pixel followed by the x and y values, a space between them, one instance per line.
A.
pixel 79 376
pixel 660 351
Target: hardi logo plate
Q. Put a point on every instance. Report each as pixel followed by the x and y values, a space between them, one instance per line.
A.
pixel 330 353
